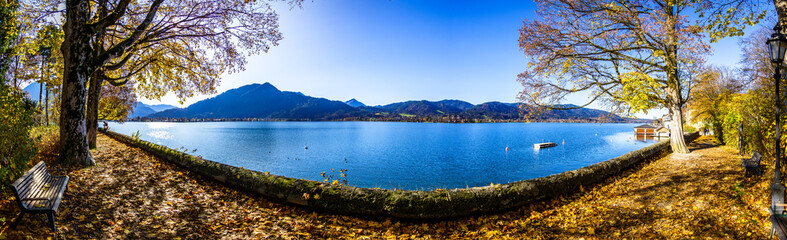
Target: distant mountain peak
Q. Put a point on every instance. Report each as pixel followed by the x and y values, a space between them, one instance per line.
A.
pixel 264 86
pixel 355 103
pixel 263 101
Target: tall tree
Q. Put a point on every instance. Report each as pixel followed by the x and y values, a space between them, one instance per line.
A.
pixel 169 60
pixel 119 39
pixel 632 56
pixel 715 88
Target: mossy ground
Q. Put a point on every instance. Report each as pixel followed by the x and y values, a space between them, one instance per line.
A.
pixel 132 194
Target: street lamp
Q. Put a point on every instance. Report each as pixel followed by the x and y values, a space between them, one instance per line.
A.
pixel 777 45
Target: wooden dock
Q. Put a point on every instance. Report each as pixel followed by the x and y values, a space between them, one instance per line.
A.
pixel 544 145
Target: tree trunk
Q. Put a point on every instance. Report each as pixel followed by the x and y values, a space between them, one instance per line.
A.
pixel 676 131
pixel 46 106
pixel 94 93
pixel 76 72
pixel 40 91
pixel 781 11
pixel 674 89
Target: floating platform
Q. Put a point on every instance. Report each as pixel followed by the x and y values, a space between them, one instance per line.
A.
pixel 544 145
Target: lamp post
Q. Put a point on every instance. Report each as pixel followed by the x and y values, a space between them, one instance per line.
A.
pixel 777 45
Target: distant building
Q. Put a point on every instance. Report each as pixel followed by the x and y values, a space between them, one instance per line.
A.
pixel 645 129
pixel 665 120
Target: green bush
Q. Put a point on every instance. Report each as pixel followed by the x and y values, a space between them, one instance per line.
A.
pixel 754 111
pixel 689 128
pixel 17 146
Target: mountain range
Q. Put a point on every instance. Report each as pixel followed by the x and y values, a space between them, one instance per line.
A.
pixel 266 102
pixel 142 109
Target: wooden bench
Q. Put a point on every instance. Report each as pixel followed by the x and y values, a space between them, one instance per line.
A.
pixel 752 164
pixel 39 192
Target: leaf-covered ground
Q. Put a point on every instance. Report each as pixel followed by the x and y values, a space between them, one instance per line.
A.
pixel 131 194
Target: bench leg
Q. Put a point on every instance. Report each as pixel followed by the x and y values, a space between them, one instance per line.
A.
pixel 51 217
pixel 18 219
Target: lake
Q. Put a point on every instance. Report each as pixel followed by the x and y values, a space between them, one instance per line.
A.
pixel 413 156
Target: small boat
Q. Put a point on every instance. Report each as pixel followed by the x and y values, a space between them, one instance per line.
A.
pixel 544 145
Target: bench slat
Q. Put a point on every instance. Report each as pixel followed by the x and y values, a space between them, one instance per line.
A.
pixel 31 187
pixel 37 192
pixel 24 186
pixel 30 179
pixel 59 196
pixel 36 182
pixel 55 186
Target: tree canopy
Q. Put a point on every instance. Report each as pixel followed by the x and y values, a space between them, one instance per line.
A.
pixel 630 56
pixel 179 46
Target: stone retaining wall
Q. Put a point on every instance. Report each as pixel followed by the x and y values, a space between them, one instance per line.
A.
pixel 401 203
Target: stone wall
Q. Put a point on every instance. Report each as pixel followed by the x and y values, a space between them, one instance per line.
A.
pixel 401 203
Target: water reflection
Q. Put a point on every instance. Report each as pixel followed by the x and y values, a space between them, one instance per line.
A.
pixel 160 135
pixel 650 138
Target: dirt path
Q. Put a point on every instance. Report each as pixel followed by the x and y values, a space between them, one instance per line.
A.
pixel 132 194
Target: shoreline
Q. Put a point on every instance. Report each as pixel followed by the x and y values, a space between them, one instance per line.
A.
pixel 411 121
pixel 407 204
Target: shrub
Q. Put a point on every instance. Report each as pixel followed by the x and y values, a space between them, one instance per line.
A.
pixel 17 146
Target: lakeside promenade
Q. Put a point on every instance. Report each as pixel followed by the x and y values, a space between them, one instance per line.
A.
pixel 132 194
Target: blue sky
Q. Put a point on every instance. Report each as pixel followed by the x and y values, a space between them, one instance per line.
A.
pixel 385 51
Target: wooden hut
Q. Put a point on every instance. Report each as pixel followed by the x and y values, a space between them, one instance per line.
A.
pixel 645 129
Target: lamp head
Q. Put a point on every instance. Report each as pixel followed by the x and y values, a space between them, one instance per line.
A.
pixel 777 45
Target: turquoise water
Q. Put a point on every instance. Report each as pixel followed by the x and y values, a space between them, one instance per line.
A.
pixel 390 155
